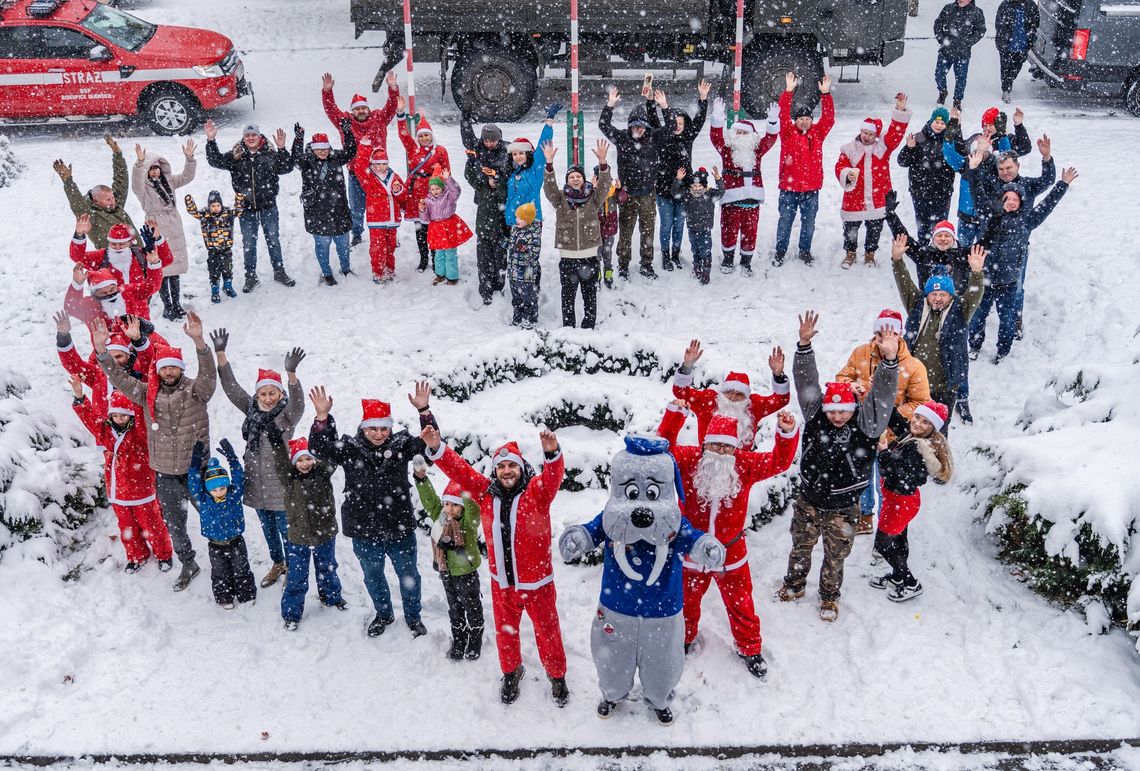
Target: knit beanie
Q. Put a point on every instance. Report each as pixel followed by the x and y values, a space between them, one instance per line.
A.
pixel 437 182
pixel 940 113
pixel 801 110
pixel 938 283
pixel 491 132
pixel 215 476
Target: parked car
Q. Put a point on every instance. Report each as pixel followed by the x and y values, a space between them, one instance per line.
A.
pixel 71 61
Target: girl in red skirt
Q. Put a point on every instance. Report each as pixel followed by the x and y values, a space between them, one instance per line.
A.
pixel 446 230
pixel 917 450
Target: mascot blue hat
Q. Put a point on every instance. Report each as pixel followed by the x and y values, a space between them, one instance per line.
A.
pixel 653 445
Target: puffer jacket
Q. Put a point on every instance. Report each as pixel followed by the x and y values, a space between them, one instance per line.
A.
pixel 165 213
pixel 913 386
pixel 253 174
pixel 576 228
pixel 677 148
pixel 637 159
pixel 102 220
pixel 931 176
pixel 323 196
pixel 217 229
pixel 958 29
pixel 310 505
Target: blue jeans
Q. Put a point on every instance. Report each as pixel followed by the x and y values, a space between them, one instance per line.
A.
pixel 322 244
pixel 807 204
pixel 268 219
pixel 402 552
pixel 672 214
pixel 1021 287
pixel 1005 295
pixel 961 71
pixel 700 243
pixel 297 580
pixel 356 204
pixel 447 263
pixel 274 526
pixel 869 500
pixel 969 228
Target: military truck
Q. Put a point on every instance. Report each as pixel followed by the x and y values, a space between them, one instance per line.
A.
pixel 501 50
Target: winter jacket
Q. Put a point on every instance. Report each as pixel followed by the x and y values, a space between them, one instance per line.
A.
pixel 637 159
pixel 931 177
pixel 677 149
pixel 928 258
pixel 166 212
pixel 938 338
pixel 126 462
pixel 102 220
pixel 516 522
pixel 913 387
pixel 1007 235
pixel 524 183
pixel 176 416
pixel 1005 25
pixel 310 504
pixel 496 158
pixel 129 268
pixel 262 488
pixel 139 366
pixel 384 197
pixel 135 298
pixel 421 161
pixel 377 494
pixel 253 174
pixel 446 229
pixel 740 185
pixel 865 197
pixel 801 154
pixel 608 214
pixel 375 126
pixel 577 228
pixel 323 195
pixel 490 200
pixel 726 520
pixel 958 29
pixel 700 210
pixel 835 465
pixel 217 229
pixel 908 461
pixel 222 520
pixel 703 401
pixel 459 563
pixel 523 252
pixel 986 185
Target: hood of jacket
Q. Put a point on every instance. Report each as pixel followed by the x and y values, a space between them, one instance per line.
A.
pixel 240 149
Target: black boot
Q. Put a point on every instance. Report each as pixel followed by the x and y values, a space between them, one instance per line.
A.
pixel 777 259
pixel 666 261
pixel 474 643
pixel 559 691
pixel 606 708
pixel 164 295
pixel 509 691
pixel 281 277
pixel 677 257
pixel 963 410
pixel 757 666
pixel 942 97
pixel 664 716
pixel 728 261
pixel 176 310
pixel 251 283
pixel 458 644
pixel 378 625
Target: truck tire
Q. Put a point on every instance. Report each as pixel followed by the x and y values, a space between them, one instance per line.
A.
pixel 494 83
pixel 1132 94
pixel 763 71
pixel 170 110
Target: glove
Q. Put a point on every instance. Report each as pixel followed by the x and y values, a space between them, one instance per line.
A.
pixel 1001 124
pixel 553 109
pixel 719 115
pixel 707 552
pixel 419 465
pixel 773 117
pixel 298 131
pixel 293 359
pixel 575 542
pixel 225 448
pixel 892 201
pixel 220 338
pixel 147 236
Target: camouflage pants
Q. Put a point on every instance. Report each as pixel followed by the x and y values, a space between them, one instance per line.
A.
pixel 838 529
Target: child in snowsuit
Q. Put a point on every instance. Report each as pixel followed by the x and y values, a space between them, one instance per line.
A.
pixel 455 554
pixel 311 511
pixel 446 229
pixel 130 481
pixel 217 224
pixel 700 207
pixel 217 496
pixel 917 450
pixel 523 267
pixel 385 196
pixel 608 224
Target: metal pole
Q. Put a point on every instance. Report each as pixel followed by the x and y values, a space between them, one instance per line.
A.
pixel 738 57
pixel 574 138
pixel 411 67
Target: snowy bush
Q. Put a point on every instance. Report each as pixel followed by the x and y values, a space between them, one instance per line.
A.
pixel 10 166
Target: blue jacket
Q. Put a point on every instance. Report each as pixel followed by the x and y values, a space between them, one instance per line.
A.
pixel 221 520
pixel 662 599
pixel 956 156
pixel 985 185
pixel 524 185
pixel 1007 236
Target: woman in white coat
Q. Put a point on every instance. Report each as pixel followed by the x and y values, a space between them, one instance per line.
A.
pixel 154 186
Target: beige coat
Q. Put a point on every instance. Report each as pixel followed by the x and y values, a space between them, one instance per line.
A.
pixel 576 228
pixel 168 217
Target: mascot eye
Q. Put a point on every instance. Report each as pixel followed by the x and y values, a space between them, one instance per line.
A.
pixel 632 491
pixel 653 492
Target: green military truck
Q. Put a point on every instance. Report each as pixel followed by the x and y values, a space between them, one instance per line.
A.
pixel 500 50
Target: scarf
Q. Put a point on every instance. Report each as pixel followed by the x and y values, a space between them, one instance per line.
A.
pixel 258 421
pixel 449 538
pixel 575 198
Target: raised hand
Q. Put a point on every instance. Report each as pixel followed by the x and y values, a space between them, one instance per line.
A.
pixel 776 361
pixel 390 79
pixel 152 223
pixel 977 156
pixel 1018 116
pixel 693 353
pixel 62 169
pixel 898 247
pixel 293 359
pixel 888 344
pixel 220 338
pixel 716 173
pixel 681 173
pixel 193 329
pixel 445 174
pixel 422 396
pixel 279 138
pixel 703 89
pixel 977 258
pixel 140 152
pixel 785 421
pixel 808 322
pixel 430 435
pixel 680 404
pixel 401 104
pixel 76 386
pixel 62 322
pixel 322 402
pixel 900 101
pixel 549 441
pixel 790 81
pixel 99 334
pixel 78 274
pixel 211 130
pixel 550 151
pixel 327 81
pixel 613 97
pixel 825 85
pixel 1069 174
pixel 1045 147
pixel 298 131
pixel 111 143
pixel 955 114
pixel 602 151
pixel 660 98
pixel 132 327
pixel 189 148
pixel 83 224
pixel 911 141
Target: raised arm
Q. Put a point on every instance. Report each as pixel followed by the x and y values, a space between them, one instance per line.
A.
pixel 551 189
pixel 672 422
pixel 876 409
pixel 804 372
pixel 237 395
pixel 764 465
pixel 455 467
pixel 120 179
pixel 429 497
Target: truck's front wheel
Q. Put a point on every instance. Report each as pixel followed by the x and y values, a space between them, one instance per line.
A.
pixel 764 68
pixel 494 84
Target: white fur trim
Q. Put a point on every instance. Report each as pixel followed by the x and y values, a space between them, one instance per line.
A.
pixel 117 347
pixel 102 284
pixel 869 126
pixel 269 381
pixel 78 239
pixel 438 453
pixel 746 192
pixel 169 361
pixel 929 457
pixel 112 410
pixel 520 147
pixel 931 415
pixel 744 125
pixel 502 457
pixel 451 499
pixel 734 385
pixel 320 145
pixel 840 407
pixel 141 346
pixel 722 439
pixel 887 323
pixel 782 388
pixel 681 380
pixel 945 229
pixel 670 407
pixel 900 116
pixel 358 103
pixel 376 423
pixel 300 454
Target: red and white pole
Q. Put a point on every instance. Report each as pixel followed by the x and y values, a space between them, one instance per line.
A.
pixel 738 58
pixel 575 150
pixel 410 63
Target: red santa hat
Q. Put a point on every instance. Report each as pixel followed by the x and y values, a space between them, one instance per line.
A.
pixel 520 145
pixel 744 125
pixel 299 448
pixel 722 430
pixel 377 414
pixel 165 356
pixel 508 452
pixel 320 142
pixel 453 493
pixel 872 124
pixel 935 412
pixel 119 234
pixel 839 397
pixel 736 381
pixel 888 319
pixel 358 101
pixel 268 377
pixel 101 279
pixel 379 155
pixel 119 342
pixel 423 127
pixel 945 226
pixel 121 405
pixel 990 116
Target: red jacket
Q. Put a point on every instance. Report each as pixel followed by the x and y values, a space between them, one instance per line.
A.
pixel 384 198
pixel 92 375
pixel 866 197
pixel 529 518
pixel 375 127
pixel 801 154
pixel 421 160
pixel 726 523
pixel 97 258
pixel 126 460
pixel 703 402
pixel 739 188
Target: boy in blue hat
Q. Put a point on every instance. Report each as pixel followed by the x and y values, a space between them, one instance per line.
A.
pixel 217 495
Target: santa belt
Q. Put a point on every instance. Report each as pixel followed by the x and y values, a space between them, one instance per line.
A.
pixel 740 173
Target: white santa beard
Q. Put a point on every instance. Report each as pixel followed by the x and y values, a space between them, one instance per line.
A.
pixel 120 260
pixel 716 479
pixel 116 307
pixel 742 411
pixel 743 150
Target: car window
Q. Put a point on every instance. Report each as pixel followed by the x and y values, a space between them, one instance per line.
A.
pixel 63 43
pixel 18 42
pixel 122 29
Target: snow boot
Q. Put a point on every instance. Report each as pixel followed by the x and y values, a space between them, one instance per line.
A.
pixel 728 261
pixel 942 97
pixel 648 272
pixel 418 628
pixel 805 257
pixel 274 573
pixel 677 258
pixel 788 594
pixel 958 104
pixel 869 259
pixel 189 571
pixel 608 278
pixel 664 716
pixel 777 259
pixel 828 610
pixel 281 277
pixel 458 645
pixel 356 239
pixel 328 280
pixel 623 273
pixel 1018 331
pixel 509 690
pixel 865 525
pixel 963 410
pixel 215 294
pixel 251 283
pixel 134 567
pixel 848 259
pixel 757 666
pixel 746 265
pixel 559 691
pixel 438 280
pixel 606 708
pixel 228 288
pixel 883 582
pixel 291 626
pixel 164 295
pixel 165 566
pixel 904 592
pixel 378 625
pixel 974 354
pixel 997 359
pixel 666 262
pixel 474 644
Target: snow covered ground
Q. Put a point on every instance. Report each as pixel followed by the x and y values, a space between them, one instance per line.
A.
pixel 115 663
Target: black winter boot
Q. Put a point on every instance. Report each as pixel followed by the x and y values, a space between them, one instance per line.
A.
pixel 559 691
pixel 757 666
pixel 509 691
pixel 677 257
pixel 474 643
pixel 378 625
pixel 176 309
pixel 458 644
pixel 251 283
pixel 728 262
pixel 164 295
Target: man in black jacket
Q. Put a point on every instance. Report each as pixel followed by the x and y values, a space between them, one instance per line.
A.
pixel 323 195
pixel 377 510
pixel 485 170
pixel 839 439
pixel 931 177
pixel 958 28
pixel 677 153
pixel 1015 29
pixel 254 169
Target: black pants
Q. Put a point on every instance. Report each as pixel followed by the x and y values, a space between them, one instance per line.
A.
pixel 465 608
pixel 896 551
pixel 870 240
pixel 220 264
pixel 170 292
pixel 1010 63
pixel 172 498
pixel 427 257
pixel 230 575
pixel 949 398
pixel 576 273
pixel 491 260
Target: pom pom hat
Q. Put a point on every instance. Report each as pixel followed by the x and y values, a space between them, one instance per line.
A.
pixel 453 493
pixel 165 356
pixel 508 452
pixel 299 448
pixel 736 381
pixel 888 319
pixel 872 124
pixel 215 476
pixel 938 283
pixel 358 101
pixel 119 234
pixel 945 226
pixel 520 145
pixel 268 377
pixel 120 405
pixel 839 397
pixel 320 142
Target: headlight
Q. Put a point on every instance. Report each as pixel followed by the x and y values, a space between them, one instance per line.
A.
pixel 209 70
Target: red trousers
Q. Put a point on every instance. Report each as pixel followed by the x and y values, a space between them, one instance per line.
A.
pixel 736 591
pixel 742 221
pixel 897 510
pixel 142 531
pixel 540 604
pixel 382 250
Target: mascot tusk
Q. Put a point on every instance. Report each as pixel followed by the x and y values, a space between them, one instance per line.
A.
pixel 659 560
pixel 623 562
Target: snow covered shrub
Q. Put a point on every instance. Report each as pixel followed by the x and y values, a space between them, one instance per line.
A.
pixel 10 166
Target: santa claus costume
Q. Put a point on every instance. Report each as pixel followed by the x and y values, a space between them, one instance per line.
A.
pixel 125 300
pixel 422 158
pixel 385 196
pixel 706 402
pixel 122 257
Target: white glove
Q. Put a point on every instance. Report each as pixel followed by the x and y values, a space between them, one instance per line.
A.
pixel 575 542
pixel 719 116
pixel 419 465
pixel 708 552
pixel 774 118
